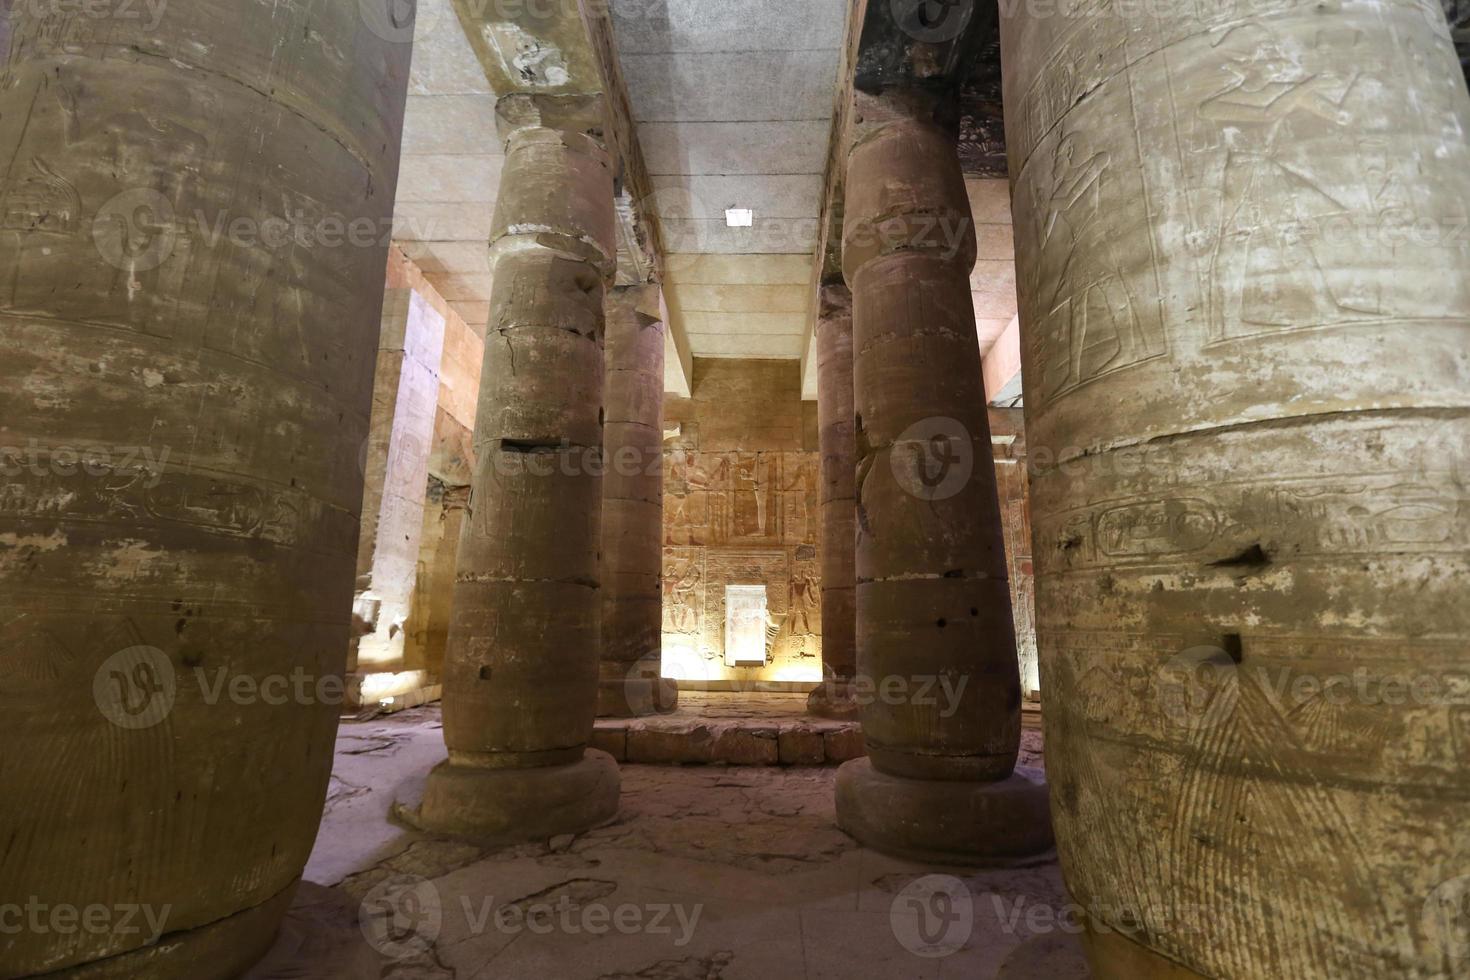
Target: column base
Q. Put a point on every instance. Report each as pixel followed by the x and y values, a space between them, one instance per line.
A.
pixel 946 821
pixel 219 950
pixel 634 697
pixel 1114 956
pixel 836 700
pixel 517 806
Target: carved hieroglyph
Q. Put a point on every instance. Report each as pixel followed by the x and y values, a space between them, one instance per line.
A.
pixel 1245 289
pixel 187 344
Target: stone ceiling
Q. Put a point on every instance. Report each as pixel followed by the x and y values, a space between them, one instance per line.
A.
pixel 734 103
pixel 733 100
pixel 451 165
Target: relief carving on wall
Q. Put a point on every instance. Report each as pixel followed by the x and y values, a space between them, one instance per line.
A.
pixel 742 518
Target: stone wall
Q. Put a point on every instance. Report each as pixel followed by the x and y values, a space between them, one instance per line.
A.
pixel 1012 486
pixel 741 508
pixel 417 462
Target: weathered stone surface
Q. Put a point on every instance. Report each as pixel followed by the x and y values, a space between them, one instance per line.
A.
pixel 747 745
pixel 400 435
pixel 754 853
pixel 838 493
pixel 514 805
pixel 932 598
pixel 693 743
pixel 843 744
pixel 216 388
pixel 521 666
pixel 613 741
pixel 944 821
pixel 733 729
pixel 800 747
pixel 525 618
pixel 632 500
pixel 834 699
pixel 1250 380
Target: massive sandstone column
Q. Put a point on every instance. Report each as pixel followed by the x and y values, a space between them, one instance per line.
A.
pixel 834 698
pixel 188 322
pixel 938 679
pixel 521 668
pixel 1245 292
pixel 632 508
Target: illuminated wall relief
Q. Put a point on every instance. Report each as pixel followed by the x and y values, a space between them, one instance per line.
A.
pixel 741 508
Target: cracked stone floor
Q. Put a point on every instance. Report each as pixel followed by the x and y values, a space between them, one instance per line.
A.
pixel 708 873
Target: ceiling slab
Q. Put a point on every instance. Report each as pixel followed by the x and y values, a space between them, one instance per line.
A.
pixel 733 102
pixel 451 165
pixel 735 148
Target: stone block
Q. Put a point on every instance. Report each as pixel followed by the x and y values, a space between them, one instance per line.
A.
pixel 666 746
pixel 746 746
pixel 801 747
pixel 611 739
pixel 843 744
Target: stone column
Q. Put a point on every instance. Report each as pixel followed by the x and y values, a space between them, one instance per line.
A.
pixel 1245 305
pixel 937 674
pixel 834 698
pixel 186 348
pixel 632 509
pixel 521 667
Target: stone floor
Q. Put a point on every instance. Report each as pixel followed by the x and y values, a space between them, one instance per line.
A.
pixel 749 729
pixel 708 873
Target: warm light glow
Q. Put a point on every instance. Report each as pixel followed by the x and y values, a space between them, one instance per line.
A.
pixel 386 684
pixel 798 672
pixel 682 661
pixel 739 217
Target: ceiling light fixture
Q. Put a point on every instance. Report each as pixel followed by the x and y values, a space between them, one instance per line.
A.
pixel 739 217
